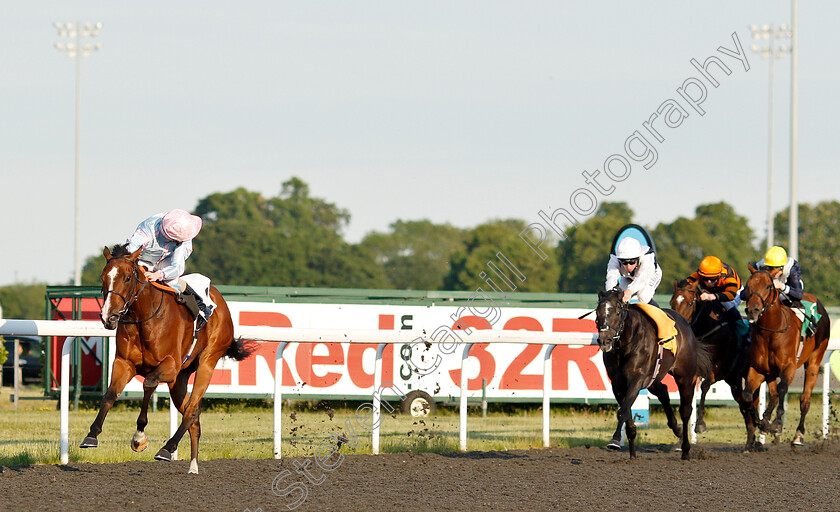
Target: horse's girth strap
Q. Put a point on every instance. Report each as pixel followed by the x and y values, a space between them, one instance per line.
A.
pixel 656 366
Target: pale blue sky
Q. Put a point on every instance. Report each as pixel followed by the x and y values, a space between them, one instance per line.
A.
pixel 458 112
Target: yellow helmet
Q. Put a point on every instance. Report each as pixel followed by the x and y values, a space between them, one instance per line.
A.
pixel 711 266
pixel 775 257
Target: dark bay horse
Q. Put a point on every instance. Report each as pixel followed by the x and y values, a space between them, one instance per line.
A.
pixel 634 361
pixel 155 340
pixel 730 359
pixel 775 352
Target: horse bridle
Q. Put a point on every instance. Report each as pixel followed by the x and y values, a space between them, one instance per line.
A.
pixel 623 309
pixel 135 281
pixel 774 294
pixel 695 315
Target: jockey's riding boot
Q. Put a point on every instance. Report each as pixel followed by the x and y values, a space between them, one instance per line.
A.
pixel 812 327
pixel 201 320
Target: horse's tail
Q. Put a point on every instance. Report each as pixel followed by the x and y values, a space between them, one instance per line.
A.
pixel 703 356
pixel 240 349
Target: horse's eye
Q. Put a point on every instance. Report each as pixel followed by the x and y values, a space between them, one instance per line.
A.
pixel 127 278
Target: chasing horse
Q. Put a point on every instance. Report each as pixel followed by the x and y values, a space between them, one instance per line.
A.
pixel 635 359
pixel 778 347
pixel 156 340
pixel 729 351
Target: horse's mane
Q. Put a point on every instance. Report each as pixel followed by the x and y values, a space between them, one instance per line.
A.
pixel 614 293
pixel 119 250
pixel 686 283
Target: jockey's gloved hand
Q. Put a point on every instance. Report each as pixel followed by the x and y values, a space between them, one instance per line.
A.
pixel 154 276
pixel 779 285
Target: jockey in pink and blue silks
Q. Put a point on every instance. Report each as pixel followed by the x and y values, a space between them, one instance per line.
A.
pixel 166 240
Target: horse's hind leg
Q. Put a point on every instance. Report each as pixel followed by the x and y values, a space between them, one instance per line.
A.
pixel 178 391
pixel 700 427
pixel 811 372
pixel 121 372
pixel 660 391
pixel 191 411
pixel 686 386
pixel 195 435
pixel 140 442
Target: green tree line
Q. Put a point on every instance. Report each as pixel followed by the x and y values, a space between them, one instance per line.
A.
pixel 295 239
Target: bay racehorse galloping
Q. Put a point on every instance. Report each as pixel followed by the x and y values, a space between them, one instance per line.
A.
pixel 730 359
pixel 155 340
pixel 634 361
pixel 777 350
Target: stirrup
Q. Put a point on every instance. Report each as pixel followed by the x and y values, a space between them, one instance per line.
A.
pixel 200 322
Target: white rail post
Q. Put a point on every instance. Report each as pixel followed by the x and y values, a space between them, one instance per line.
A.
pixel 65 400
pixel 826 392
pixel 377 398
pixel 692 421
pixel 762 404
pixel 547 396
pixel 463 408
pixel 278 397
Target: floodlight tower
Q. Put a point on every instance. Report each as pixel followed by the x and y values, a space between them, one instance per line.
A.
pixel 78 50
pixel 770 51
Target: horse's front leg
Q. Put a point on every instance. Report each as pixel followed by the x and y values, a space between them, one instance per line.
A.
pixel 122 372
pixel 749 394
pixel 140 442
pixel 625 403
pixel 766 423
pixel 785 379
pixel 737 394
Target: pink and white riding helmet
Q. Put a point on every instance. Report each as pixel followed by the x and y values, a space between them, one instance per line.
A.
pixel 180 226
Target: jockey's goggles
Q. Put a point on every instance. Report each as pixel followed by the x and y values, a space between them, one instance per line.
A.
pixel 632 261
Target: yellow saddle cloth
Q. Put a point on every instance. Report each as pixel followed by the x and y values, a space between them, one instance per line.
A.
pixel 667 329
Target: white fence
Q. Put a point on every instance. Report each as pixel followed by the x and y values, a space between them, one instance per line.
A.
pixel 287 335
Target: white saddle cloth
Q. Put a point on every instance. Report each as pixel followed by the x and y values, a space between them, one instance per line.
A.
pixel 201 286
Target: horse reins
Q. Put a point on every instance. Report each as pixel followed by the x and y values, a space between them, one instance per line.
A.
pixel 774 294
pixel 623 309
pixel 135 280
pixel 695 316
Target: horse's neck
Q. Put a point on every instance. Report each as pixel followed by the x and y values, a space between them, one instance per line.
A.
pixel 775 317
pixel 635 326
pixel 148 306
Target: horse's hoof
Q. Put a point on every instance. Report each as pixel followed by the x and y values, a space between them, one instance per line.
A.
pixel 700 428
pixel 797 440
pixel 89 442
pixel 163 454
pixel 139 442
pixel 614 445
pixel 193 467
